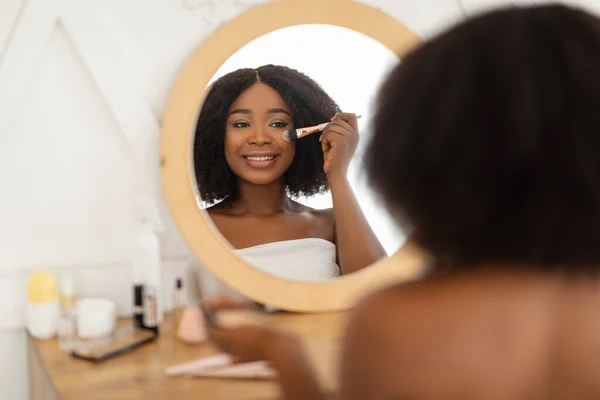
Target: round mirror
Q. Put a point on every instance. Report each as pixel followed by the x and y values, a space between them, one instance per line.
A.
pixel 263 127
pixel 352 69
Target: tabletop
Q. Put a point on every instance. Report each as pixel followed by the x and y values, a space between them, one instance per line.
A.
pixel 140 374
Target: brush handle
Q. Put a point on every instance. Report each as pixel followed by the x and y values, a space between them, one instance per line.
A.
pixel 322 126
pixel 303 132
pixel 314 129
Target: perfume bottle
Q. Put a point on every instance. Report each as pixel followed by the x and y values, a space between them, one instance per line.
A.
pixel 67 331
pixel 179 303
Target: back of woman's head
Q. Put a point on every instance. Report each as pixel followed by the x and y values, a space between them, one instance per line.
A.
pixel 487 140
pixel 310 105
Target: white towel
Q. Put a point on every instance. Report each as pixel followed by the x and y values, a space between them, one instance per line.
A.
pixel 307 260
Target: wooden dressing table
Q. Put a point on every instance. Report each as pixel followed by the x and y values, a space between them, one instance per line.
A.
pixel 55 375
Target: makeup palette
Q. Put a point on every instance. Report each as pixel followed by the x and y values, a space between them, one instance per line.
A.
pixel 123 341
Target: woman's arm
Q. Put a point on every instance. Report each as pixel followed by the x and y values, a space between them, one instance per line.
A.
pixel 367 353
pixel 295 373
pixel 284 351
pixel 365 364
pixel 357 245
pixel 361 359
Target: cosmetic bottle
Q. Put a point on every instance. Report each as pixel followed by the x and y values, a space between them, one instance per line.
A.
pixel 42 309
pixel 138 306
pixel 179 303
pixel 138 295
pixel 150 310
pixel 67 333
pixel 147 262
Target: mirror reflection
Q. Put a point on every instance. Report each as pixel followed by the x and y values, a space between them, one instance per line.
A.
pixel 277 151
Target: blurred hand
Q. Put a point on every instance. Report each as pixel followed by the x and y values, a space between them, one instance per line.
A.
pixel 247 343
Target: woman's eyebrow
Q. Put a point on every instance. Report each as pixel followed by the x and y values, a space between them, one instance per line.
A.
pixel 269 111
pixel 240 111
pixel 277 111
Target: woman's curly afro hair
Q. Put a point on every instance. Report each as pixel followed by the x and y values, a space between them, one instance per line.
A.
pixel 310 105
pixel 486 141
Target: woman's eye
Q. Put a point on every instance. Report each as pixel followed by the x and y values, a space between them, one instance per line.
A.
pixel 279 124
pixel 241 124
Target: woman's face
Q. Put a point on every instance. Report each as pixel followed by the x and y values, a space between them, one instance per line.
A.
pixel 254 149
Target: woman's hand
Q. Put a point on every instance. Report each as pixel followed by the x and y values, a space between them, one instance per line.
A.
pixel 339 141
pixel 248 342
pixel 282 350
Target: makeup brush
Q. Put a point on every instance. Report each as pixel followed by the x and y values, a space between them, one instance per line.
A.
pixel 295 134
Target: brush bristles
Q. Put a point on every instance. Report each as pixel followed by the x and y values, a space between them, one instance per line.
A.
pixel 290 135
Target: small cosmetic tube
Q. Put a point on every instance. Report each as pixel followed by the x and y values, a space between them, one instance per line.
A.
pixel 138 306
pixel 150 310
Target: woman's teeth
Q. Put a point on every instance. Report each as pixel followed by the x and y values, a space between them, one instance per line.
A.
pixel 264 158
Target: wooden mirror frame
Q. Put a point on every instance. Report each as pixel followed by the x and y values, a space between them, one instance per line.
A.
pixel 178 177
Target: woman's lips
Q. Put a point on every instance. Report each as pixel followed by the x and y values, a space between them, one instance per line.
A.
pixel 260 161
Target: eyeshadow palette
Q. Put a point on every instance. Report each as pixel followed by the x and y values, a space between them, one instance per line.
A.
pixel 123 341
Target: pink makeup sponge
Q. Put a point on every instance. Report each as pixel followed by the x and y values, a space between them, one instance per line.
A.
pixel 192 327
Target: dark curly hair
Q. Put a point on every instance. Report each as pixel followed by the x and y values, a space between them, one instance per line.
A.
pixel 310 105
pixel 486 140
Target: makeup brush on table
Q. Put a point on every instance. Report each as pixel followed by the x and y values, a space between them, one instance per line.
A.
pixel 295 134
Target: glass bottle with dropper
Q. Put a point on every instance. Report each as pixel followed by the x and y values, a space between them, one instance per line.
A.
pixel 67 330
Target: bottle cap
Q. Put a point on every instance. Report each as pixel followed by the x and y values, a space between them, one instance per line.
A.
pixel 138 295
pixel 41 287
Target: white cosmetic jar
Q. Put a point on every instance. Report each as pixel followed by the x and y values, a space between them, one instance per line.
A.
pixel 95 318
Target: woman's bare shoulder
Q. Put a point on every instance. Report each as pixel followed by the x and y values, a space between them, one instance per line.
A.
pixel 385 305
pixel 317 211
pixel 325 216
pixel 373 356
pixel 400 308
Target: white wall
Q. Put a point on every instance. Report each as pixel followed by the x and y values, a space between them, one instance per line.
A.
pixel 82 87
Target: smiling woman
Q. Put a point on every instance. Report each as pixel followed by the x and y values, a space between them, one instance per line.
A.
pixel 248 175
pixel 231 113
pixel 252 147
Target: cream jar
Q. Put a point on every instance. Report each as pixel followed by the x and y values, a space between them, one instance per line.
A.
pixel 96 318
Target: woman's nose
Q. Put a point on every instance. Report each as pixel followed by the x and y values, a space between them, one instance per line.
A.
pixel 260 136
